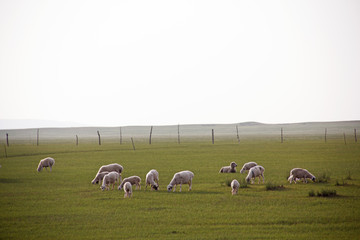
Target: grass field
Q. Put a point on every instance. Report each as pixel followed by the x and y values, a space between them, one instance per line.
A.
pixel 64 204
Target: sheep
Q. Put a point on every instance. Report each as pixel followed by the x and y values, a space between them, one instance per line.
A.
pixel 127 189
pixel 46 162
pixel 257 171
pixel 133 180
pixel 112 167
pixel 184 177
pixel 229 169
pixel 298 173
pixel 110 178
pixel 99 177
pixel 152 179
pixel 235 186
pixel 247 166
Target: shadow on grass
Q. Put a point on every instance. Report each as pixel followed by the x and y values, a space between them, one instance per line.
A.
pixel 10 180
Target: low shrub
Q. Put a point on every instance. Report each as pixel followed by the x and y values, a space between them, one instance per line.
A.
pixel 323 193
pixel 243 184
pixel 323 178
pixel 348 177
pixel 326 193
pixel 311 193
pixel 273 186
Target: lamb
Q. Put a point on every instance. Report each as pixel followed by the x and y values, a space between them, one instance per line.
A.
pixel 235 186
pixel 99 177
pixel 112 167
pixel 184 177
pixel 229 169
pixel 127 189
pixel 298 173
pixel 46 162
pixel 152 179
pixel 133 180
pixel 247 166
pixel 257 171
pixel 110 178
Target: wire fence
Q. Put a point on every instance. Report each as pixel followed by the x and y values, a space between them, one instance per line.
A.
pixel 183 133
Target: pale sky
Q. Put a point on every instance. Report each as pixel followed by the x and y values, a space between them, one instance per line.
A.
pixel 117 63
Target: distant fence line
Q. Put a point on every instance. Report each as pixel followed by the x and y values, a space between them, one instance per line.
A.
pixel 236 132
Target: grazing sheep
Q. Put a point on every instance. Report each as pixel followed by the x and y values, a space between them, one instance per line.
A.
pixel 235 186
pixel 133 180
pixel 152 179
pixel 298 173
pixel 247 166
pixel 257 171
pixel 184 177
pixel 114 167
pixel 99 177
pixel 46 162
pixel 127 189
pixel 110 178
pixel 229 169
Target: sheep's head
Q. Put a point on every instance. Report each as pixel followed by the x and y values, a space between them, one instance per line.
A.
pixel 95 181
pixel 169 188
pixel 103 187
pixel 313 178
pixel 155 187
pixel 233 165
pixel 242 170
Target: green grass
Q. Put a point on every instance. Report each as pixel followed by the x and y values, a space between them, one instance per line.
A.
pixel 64 204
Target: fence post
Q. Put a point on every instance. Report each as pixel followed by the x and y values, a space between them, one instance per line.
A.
pixel 37 137
pixel 77 140
pixel 282 135
pixel 7 139
pixel 344 139
pixel 355 135
pixel 132 141
pixel 237 134
pixel 120 136
pixel 325 134
pixel 150 134
pixel 99 137
pixel 213 137
pixel 178 133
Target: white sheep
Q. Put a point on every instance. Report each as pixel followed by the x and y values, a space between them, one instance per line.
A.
pixel 229 169
pixel 110 178
pixel 184 177
pixel 257 171
pixel 127 189
pixel 152 179
pixel 114 167
pixel 133 180
pixel 247 166
pixel 46 162
pixel 99 177
pixel 235 186
pixel 298 173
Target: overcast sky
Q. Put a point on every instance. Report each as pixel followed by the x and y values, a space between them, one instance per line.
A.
pixel 117 63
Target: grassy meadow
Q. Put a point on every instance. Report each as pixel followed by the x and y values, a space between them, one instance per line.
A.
pixel 63 204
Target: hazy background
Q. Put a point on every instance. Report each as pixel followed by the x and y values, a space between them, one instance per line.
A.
pixel 117 63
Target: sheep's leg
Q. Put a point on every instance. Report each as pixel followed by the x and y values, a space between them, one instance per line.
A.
pixel 50 168
pixel 174 188
pixel 190 183
pixel 263 178
pixel 180 187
